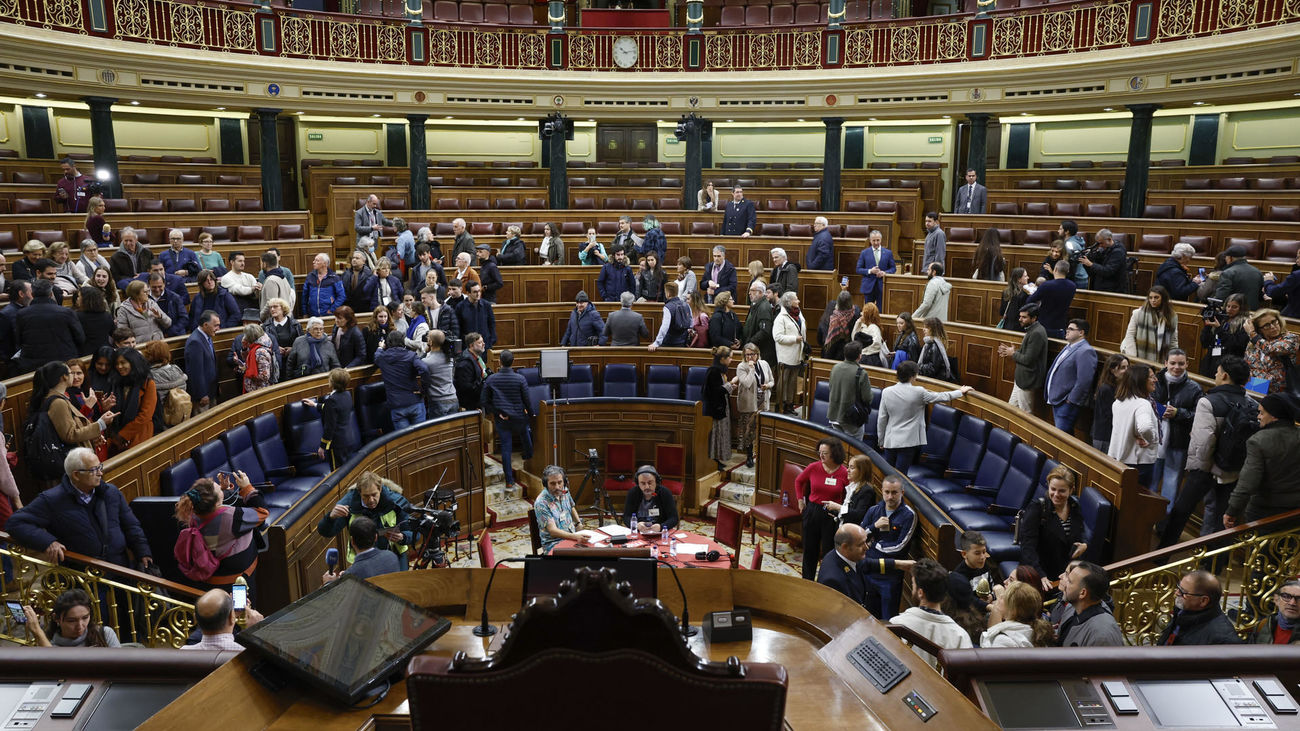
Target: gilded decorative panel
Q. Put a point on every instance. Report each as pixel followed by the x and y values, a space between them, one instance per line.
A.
pixel 808 49
pixel 487 49
pixel 443 47
pixel 906 45
pixel 132 18
pixel 1112 25
pixel 1176 17
pixel 1008 36
pixel 1058 31
pixel 239 30
pixel 66 13
pixel 297 36
pixel 857 47
pixel 762 50
pixel 718 52
pixel 8 8
pixel 582 51
pixel 952 40
pixel 1291 8
pixel 668 52
pixel 187 24
pixel 343 40
pixel 392 43
pixel 1236 13
pixel 532 50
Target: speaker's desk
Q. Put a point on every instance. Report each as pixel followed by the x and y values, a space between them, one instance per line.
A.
pixel 794 621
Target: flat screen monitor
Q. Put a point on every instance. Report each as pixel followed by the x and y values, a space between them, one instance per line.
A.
pixel 1030 704
pixel 1185 703
pixel 554 364
pixel 543 574
pixel 345 637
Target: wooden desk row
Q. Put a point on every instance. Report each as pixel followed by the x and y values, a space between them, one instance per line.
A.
pixel 1159 178
pixel 1221 202
pixel 24 226
pixel 10 193
pixel 167 171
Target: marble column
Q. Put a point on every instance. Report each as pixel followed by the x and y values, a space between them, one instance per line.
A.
pixel 104 143
pixel 831 163
pixel 419 163
pixel 272 186
pixel 1133 198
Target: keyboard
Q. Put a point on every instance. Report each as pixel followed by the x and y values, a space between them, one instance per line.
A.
pixel 878 664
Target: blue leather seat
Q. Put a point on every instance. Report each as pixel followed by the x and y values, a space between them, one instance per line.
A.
pixel 940 434
pixel 538 393
pixel 239 450
pixel 372 410
pixel 305 428
pixel 532 375
pixel 964 457
pixel 157 516
pixel 620 380
pixel 1098 514
pixel 970 511
pixel 695 376
pixel 994 461
pixel 211 458
pixel 178 478
pixel 274 458
pixel 581 383
pixel 819 408
pixel 663 381
pixel 870 434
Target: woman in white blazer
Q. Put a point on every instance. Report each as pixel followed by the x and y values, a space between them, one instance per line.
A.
pixel 901 424
pixel 790 331
pixel 1135 430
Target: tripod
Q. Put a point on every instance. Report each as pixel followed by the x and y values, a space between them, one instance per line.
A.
pixel 600 498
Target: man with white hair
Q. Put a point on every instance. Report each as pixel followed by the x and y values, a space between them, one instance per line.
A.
pixel 82 514
pixel 322 290
pixel 719 275
pixel 464 242
pixel 785 273
pixel 790 331
pixel 177 259
pixel 625 328
pixel 821 254
pixel 369 220
pixel 1174 274
pixel 130 259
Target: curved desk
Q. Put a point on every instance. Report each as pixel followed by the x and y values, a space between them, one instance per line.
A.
pixel 804 626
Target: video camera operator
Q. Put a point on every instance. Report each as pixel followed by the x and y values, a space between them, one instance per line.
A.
pixel 1222 332
pixel 1107 263
pixel 379 500
pixel 440 390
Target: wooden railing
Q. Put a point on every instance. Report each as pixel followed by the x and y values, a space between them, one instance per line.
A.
pixel 72 224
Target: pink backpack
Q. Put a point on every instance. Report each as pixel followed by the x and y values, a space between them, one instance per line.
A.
pixel 193 556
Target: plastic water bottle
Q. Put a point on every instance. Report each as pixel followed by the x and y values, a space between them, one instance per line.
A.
pixel 631 524
pixel 672 546
pixel 785 499
pixel 654 551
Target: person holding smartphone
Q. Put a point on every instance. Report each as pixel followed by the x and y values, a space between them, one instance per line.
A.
pixel 72 623
pixel 229 517
pixel 216 613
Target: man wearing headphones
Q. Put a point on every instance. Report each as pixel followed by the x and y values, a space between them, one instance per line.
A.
pixel 557 515
pixel 650 502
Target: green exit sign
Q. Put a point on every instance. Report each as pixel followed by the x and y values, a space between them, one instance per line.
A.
pixel 315 135
pixel 936 140
pixel 671 140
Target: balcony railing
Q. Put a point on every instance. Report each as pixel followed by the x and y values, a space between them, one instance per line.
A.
pixel 1251 560
pixel 244 28
pixel 140 608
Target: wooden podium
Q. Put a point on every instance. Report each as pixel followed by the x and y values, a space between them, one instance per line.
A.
pixel 801 625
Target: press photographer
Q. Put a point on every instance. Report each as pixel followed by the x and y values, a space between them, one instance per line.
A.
pixel 1222 333
pixel 381 501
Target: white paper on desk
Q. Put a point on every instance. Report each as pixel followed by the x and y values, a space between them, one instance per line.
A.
pixel 692 548
pixel 595 536
pixel 614 529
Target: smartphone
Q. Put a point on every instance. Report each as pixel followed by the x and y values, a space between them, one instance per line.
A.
pixel 16 612
pixel 844 281
pixel 1202 270
pixel 240 593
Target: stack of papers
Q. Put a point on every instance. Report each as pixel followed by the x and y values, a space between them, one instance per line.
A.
pixel 614 529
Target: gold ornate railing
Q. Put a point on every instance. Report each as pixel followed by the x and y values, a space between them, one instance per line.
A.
pixel 1251 560
pixel 140 608
pixel 239 27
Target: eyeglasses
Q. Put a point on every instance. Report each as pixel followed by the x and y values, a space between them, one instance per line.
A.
pixel 97 469
pixel 1179 591
pixel 1289 598
pixel 1270 323
pixel 1071 327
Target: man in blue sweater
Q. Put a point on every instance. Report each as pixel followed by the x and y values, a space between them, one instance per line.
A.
pixel 615 278
pixel 505 398
pixel 322 290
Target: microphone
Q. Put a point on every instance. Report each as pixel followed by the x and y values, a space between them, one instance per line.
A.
pixel 687 630
pixel 484 629
pixel 331 558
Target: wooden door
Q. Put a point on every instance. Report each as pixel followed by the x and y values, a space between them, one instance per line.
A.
pixel 618 143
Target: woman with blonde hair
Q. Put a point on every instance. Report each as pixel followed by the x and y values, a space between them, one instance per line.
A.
pixel 753 388
pixel 1016 619
pixel 97 229
pixel 756 272
pixel 869 324
pixel 229 531
pixel 699 319
pixel 278 322
pixel 717 405
pixel 68 276
pixel 1152 328
pixel 933 361
pixel 858 493
pixel 1271 348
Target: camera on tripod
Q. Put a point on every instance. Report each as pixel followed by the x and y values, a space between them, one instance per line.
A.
pixel 593 460
pixel 1214 310
pixel 433 524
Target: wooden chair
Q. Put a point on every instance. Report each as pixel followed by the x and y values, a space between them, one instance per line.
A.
pixel 534 532
pixel 729 530
pixel 775 514
pixel 620 463
pixel 486 558
pixel 670 462
pixel 756 563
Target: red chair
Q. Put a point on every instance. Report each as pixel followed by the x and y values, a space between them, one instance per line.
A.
pixel 756 563
pixel 486 559
pixel 729 530
pixel 620 464
pixel 776 514
pixel 670 461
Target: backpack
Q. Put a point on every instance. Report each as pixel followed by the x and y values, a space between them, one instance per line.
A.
pixel 193 556
pixel 177 406
pixel 43 448
pixel 1240 422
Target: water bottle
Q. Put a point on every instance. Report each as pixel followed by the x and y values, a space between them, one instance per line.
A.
pixel 654 551
pixel 672 546
pixel 631 525
pixel 785 499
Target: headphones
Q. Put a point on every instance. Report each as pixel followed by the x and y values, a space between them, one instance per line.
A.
pixel 647 470
pixel 562 472
pixel 707 556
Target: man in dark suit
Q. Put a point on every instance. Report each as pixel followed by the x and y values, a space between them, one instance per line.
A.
pixel 971 197
pixel 1069 380
pixel 369 561
pixel 45 330
pixel 821 253
pixel 843 569
pixel 738 218
pixel 719 275
pixel 873 264
pixel 201 361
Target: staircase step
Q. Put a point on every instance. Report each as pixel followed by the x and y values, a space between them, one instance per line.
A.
pixel 742 474
pixel 711 508
pixel 738 494
pixel 510 509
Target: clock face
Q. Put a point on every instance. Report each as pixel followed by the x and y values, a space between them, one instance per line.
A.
pixel 626 52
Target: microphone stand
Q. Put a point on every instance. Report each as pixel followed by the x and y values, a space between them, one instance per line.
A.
pixel 485 629
pixel 687 630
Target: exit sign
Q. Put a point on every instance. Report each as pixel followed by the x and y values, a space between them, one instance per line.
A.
pixel 321 136
pixel 936 140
